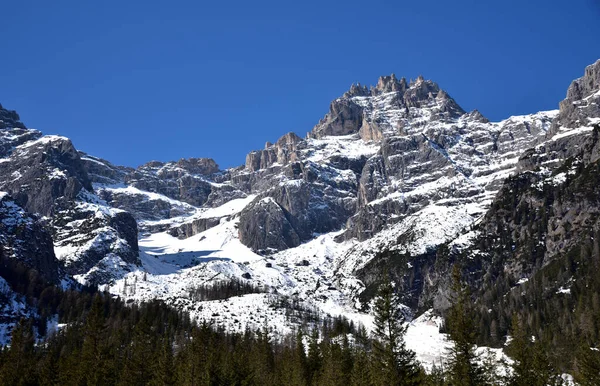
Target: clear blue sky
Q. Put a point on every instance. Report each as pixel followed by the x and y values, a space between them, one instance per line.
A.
pixel 132 81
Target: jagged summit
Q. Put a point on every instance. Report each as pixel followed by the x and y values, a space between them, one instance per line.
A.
pixel 390 84
pixel 10 118
pixel 582 101
pixel 390 106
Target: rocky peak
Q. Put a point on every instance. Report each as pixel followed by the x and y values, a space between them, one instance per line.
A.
pixel 389 106
pixel 390 84
pixel 356 90
pixel 475 116
pixel 282 152
pixel 10 119
pixel 203 166
pixel 582 101
pixel 152 165
pixel 13 132
pixel 588 84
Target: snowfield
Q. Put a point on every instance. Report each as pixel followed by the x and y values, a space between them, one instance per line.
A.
pixel 315 277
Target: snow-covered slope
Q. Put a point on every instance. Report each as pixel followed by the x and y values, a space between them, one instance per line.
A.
pixel 398 162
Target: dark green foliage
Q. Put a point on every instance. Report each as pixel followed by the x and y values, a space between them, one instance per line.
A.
pixel 463 367
pixel 20 357
pixel 394 364
pixel 532 366
pixel 588 366
pixel 224 289
pixel 106 342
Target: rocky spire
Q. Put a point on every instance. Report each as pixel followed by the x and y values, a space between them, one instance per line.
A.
pixel 356 90
pixel 582 101
pixel 10 118
pixel 475 116
pixel 389 84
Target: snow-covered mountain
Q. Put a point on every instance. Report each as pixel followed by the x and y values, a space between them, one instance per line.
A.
pixel 396 169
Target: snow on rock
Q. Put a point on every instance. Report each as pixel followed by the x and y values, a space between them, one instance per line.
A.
pixel 12 309
pixel 424 338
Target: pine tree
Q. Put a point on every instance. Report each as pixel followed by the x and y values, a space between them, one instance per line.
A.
pixel 463 369
pixel 588 366
pixel 300 364
pixel 395 364
pixel 18 363
pixel 163 370
pixel 360 375
pixel 332 373
pixel 531 365
pixel 314 361
pixel 93 361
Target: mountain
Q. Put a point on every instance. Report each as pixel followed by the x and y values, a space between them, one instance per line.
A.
pixel 396 178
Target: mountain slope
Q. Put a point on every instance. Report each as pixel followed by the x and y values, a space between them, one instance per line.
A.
pixel 394 178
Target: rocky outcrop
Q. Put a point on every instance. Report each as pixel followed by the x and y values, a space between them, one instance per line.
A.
pixel 344 117
pixel 87 236
pixel 25 240
pixel 264 226
pixel 582 101
pixel 282 152
pixel 390 83
pixel 101 171
pixel 369 131
pixel 43 174
pixel 193 227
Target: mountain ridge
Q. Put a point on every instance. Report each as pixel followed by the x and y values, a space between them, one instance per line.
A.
pixel 387 176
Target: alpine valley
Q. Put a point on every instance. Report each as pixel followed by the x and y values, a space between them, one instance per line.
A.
pixel 395 181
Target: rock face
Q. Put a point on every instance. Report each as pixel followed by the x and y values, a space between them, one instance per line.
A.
pixel 282 152
pixel 43 173
pixel 383 154
pixel 184 180
pixel 24 239
pixel 47 176
pixel 582 100
pixel 264 225
pixel 544 213
pixel 92 240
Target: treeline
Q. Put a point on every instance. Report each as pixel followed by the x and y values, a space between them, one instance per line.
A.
pixel 100 340
pixel 224 289
pixel 103 341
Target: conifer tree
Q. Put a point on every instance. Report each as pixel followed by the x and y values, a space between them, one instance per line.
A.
pixel 163 370
pixel 314 361
pixel 588 365
pixel 531 365
pixel 360 374
pixel 19 360
pixel 300 356
pixel 463 369
pixel 395 364
pixel 93 362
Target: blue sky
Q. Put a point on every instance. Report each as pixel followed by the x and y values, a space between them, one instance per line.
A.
pixel 133 81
